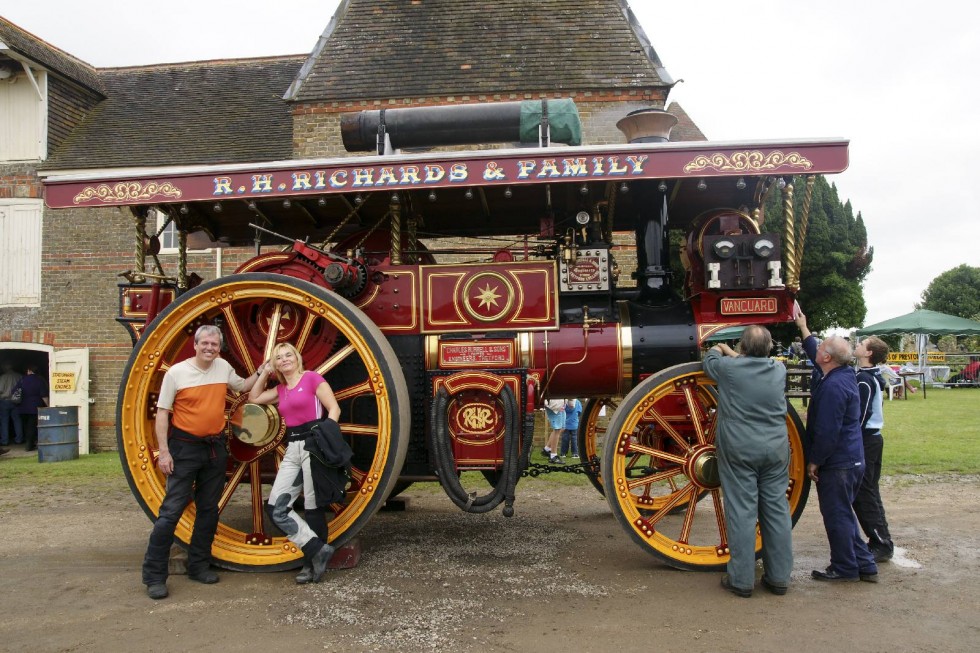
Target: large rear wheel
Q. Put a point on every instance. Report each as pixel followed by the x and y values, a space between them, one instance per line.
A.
pixel 660 472
pixel 254 312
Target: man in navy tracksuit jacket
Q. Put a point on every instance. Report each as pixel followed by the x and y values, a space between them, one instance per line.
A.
pixel 836 457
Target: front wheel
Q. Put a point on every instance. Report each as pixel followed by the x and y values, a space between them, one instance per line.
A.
pixel 660 473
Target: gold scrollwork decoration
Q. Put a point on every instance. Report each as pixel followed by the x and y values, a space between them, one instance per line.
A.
pixel 749 161
pixel 127 191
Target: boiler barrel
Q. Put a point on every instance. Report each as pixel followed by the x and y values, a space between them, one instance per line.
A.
pixel 57 434
pixel 497 122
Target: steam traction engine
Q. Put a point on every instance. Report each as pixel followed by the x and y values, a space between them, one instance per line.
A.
pixel 445 295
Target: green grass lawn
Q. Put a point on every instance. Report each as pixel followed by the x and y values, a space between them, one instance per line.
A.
pixel 90 469
pixel 940 434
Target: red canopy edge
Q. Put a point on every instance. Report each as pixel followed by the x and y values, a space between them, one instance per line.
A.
pixel 74 189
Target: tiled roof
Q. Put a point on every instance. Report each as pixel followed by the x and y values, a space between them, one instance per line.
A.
pixel 31 47
pixel 400 49
pixel 685 129
pixel 189 113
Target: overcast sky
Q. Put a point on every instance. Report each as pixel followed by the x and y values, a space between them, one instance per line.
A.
pixel 899 79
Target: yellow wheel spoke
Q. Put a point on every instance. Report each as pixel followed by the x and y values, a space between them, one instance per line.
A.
pixel 231 486
pixel 694 407
pixel 359 429
pixel 692 507
pixel 359 390
pixel 720 518
pixel 273 333
pixel 258 509
pixel 656 477
pixel 236 338
pixel 677 499
pixel 656 453
pixel 305 330
pixel 334 360
pixel 670 430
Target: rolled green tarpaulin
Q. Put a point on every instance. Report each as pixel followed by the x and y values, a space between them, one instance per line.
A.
pixel 566 127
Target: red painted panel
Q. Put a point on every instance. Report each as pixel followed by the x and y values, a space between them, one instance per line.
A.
pixel 516 296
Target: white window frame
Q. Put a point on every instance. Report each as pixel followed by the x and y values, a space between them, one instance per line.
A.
pixel 38 79
pixel 20 252
pixel 171 232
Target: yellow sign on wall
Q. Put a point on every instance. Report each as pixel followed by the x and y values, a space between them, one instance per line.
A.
pixel 63 381
pixel 913 357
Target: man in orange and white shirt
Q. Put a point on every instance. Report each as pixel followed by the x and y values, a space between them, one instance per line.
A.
pixel 192 456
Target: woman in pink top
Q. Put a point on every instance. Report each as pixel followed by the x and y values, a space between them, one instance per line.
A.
pixel 302 397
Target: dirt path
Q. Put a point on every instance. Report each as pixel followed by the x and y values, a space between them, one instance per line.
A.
pixel 560 576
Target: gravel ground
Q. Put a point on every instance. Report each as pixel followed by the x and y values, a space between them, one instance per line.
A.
pixel 560 575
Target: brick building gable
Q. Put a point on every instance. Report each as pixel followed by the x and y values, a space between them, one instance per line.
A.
pixel 473 47
pixel 685 129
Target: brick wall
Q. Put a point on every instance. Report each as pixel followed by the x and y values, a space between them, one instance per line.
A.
pixel 19 180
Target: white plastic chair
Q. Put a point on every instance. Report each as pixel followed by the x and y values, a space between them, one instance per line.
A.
pixel 892 387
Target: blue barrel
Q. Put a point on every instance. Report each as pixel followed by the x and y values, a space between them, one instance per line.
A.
pixel 57 434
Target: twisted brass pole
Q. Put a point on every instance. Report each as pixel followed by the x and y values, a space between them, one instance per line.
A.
pixel 396 231
pixel 181 259
pixel 789 240
pixel 140 214
pixel 804 220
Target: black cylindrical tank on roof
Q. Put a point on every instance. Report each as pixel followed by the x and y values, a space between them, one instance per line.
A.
pixel 497 122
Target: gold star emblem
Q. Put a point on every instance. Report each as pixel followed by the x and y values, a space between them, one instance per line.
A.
pixel 488 297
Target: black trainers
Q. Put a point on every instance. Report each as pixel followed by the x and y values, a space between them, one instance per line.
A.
pixel 869 577
pixel 320 561
pixel 305 575
pixel 208 577
pixel 726 582
pixel 556 460
pixel 778 590
pixel 546 453
pixel 157 591
pixel 882 554
pixel 832 576
pixel 4 450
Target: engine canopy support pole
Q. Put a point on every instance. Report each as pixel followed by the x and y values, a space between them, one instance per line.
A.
pixel 181 259
pixel 396 230
pixel 140 213
pixel 789 240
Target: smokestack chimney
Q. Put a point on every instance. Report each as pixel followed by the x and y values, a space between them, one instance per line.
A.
pixel 647 126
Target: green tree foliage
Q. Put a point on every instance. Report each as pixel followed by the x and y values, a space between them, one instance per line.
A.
pixel 956 292
pixel 836 256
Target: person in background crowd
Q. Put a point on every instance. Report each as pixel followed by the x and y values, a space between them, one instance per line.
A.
pixel 870 511
pixel 753 460
pixel 892 377
pixel 836 459
pixel 8 409
pixel 796 348
pixel 302 397
pixel 555 410
pixel 34 394
pixel 969 374
pixel 192 456
pixel 569 436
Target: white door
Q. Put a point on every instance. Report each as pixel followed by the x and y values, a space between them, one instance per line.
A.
pixel 69 387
